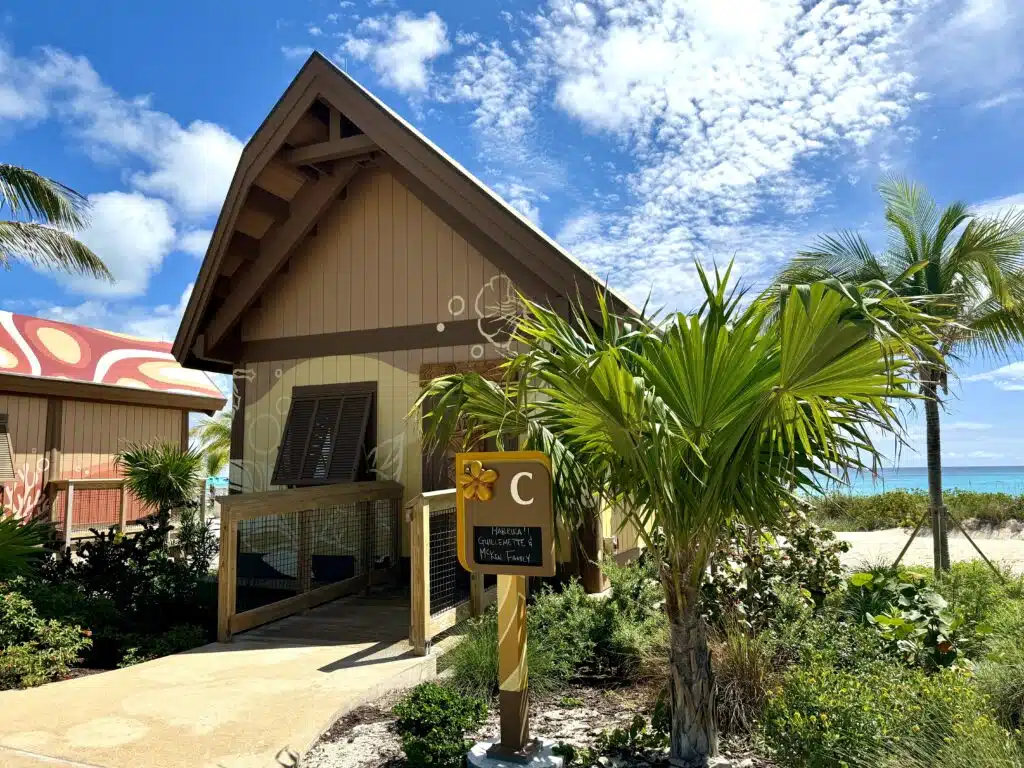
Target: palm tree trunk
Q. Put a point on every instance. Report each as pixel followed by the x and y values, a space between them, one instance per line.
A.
pixel 691 679
pixel 933 433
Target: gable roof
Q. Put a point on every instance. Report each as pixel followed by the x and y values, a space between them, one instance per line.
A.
pixel 324 129
pixel 49 358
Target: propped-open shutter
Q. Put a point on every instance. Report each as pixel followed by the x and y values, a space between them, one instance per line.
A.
pixel 351 443
pixel 325 436
pixel 6 453
pixel 293 441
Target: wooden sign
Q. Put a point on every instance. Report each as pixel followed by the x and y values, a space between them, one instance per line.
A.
pixel 505 513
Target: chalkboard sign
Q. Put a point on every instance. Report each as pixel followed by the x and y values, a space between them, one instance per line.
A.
pixel 508 545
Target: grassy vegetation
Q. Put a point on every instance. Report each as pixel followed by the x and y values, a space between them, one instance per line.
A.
pixel 902 508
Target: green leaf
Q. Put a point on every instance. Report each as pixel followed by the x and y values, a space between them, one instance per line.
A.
pixel 861 579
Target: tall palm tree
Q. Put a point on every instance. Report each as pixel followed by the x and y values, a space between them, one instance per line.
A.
pixel 689 423
pixel 965 268
pixel 214 436
pixel 43 215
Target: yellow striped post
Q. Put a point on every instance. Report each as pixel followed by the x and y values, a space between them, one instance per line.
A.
pixel 512 671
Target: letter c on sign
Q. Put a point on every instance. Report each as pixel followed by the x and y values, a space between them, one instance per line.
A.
pixel 515 489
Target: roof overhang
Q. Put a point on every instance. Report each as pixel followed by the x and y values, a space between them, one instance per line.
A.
pixel 17 384
pixel 324 130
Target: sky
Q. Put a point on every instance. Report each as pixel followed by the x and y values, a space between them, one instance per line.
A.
pixel 640 134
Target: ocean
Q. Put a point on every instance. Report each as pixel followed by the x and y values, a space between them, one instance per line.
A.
pixel 988 479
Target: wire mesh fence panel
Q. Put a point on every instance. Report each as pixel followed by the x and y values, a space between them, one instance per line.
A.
pixel 449 583
pixel 283 555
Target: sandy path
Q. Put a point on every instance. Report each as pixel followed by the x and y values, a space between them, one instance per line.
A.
pixel 874 547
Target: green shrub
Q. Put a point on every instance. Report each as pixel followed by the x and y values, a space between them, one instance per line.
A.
pixel 432 721
pixel 750 568
pixel 821 716
pixel 974 592
pixel 903 508
pixel 34 650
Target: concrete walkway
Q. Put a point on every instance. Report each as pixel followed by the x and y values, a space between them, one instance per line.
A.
pixel 244 704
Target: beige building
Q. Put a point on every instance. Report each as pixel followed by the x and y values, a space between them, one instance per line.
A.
pixel 352 261
pixel 70 399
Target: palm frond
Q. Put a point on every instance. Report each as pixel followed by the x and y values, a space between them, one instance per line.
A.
pixel 21 545
pixel 29 194
pixel 49 248
pixel 161 475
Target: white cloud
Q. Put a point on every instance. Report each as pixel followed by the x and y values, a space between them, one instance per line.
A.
pixel 1000 206
pixel 1009 377
pixel 984 455
pixel 967 426
pixel 296 51
pixel 1002 99
pixel 720 106
pixel 194 242
pixel 502 94
pixel 400 48
pixel 159 322
pixel 189 165
pixel 132 233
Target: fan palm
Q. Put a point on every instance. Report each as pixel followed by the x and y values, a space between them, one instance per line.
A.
pixel 162 476
pixel 687 423
pixel 21 545
pixel 962 267
pixel 43 214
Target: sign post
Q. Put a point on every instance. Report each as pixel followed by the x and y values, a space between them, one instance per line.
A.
pixel 506 528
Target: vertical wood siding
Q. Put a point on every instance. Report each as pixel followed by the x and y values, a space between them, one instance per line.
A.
pixel 94 433
pixel 379 259
pixel 26 423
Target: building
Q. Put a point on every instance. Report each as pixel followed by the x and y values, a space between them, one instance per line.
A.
pixel 70 399
pixel 352 261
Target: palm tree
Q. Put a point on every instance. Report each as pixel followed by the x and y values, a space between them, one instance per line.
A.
pixel 964 268
pixel 689 423
pixel 160 475
pixel 44 213
pixel 21 545
pixel 214 436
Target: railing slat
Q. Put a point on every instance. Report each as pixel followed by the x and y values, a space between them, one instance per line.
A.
pixel 419 554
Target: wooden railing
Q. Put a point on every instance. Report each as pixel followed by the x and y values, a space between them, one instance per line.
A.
pixel 303 547
pixel 431 518
pixel 63 494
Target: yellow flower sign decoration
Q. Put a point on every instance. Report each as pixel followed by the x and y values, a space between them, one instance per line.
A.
pixel 478 483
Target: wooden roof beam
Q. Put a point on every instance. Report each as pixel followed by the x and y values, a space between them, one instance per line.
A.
pixel 334 149
pixel 267 203
pixel 276 248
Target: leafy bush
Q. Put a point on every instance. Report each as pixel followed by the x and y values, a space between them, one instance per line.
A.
pixel 822 716
pixel 34 650
pixel 749 570
pixel 570 634
pixel 911 618
pixel 432 721
pixel 974 592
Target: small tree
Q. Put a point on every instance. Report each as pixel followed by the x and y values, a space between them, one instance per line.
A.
pixel 691 423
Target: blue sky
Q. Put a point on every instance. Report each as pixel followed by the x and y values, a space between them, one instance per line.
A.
pixel 640 134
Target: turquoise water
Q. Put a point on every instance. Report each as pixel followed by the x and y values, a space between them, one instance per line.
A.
pixel 988 479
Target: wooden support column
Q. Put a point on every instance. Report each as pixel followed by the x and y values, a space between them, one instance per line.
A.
pixel 512 670
pixel 237 449
pixel 52 451
pixel 590 553
pixel 419 555
pixel 227 575
pixel 122 514
pixel 369 540
pixel 69 514
pixel 184 431
pixel 477 603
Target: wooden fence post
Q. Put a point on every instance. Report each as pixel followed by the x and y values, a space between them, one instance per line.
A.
pixel 476 594
pixel 419 555
pixel 122 513
pixel 69 498
pixel 227 575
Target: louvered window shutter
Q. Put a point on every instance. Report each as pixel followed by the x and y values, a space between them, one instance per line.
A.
pixel 325 436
